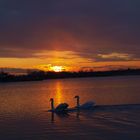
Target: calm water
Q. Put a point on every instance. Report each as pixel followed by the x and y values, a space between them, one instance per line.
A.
pixel 24 116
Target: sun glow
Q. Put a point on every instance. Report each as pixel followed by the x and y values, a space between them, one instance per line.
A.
pixel 53 68
pixel 57 68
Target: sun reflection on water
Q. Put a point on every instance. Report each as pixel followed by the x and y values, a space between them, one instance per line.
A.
pixel 58 93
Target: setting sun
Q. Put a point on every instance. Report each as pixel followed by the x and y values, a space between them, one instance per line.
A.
pixel 57 68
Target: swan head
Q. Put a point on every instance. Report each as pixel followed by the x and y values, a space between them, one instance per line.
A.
pixel 51 99
pixel 77 97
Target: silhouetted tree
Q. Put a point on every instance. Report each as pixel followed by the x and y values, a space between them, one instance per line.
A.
pixel 41 75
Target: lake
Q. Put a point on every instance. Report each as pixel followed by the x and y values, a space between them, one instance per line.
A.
pixel 24 105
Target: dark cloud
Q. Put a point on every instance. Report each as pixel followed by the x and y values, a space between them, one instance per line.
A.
pixel 87 27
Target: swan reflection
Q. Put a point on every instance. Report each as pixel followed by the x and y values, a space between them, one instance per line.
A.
pixel 60 115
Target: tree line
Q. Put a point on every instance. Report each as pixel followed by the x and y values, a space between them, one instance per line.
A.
pixel 42 75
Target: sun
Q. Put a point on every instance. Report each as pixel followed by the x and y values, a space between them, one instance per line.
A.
pixel 53 68
pixel 57 68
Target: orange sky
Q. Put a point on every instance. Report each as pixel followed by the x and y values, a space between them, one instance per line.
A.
pixel 69 61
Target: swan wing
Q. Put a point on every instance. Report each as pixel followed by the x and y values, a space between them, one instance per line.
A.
pixel 87 105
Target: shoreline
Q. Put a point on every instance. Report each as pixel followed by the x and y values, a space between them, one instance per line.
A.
pixel 41 75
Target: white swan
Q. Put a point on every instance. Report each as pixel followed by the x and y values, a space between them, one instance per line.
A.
pixel 87 105
pixel 61 108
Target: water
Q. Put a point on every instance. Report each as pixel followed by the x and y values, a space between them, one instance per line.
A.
pixel 24 116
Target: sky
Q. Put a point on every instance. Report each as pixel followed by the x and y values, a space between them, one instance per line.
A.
pixel 75 34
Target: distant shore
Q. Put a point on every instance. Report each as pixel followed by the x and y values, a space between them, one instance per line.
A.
pixel 41 75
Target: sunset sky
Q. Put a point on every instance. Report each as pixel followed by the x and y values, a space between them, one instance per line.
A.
pixel 74 34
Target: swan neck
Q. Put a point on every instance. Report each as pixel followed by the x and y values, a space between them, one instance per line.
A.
pixel 52 104
pixel 78 102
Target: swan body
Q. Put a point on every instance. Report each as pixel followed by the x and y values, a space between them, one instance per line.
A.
pixel 61 108
pixel 87 105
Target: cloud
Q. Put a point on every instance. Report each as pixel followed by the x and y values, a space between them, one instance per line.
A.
pixel 92 29
pixel 116 56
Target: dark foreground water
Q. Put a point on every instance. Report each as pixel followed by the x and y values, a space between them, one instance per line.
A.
pixel 24 116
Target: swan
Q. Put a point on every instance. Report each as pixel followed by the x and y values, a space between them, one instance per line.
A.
pixel 87 105
pixel 61 108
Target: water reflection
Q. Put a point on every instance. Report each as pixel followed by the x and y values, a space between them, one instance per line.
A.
pixel 58 93
pixel 77 115
pixel 61 116
pixel 23 109
pixel 50 90
pixel 21 98
pixel 52 117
